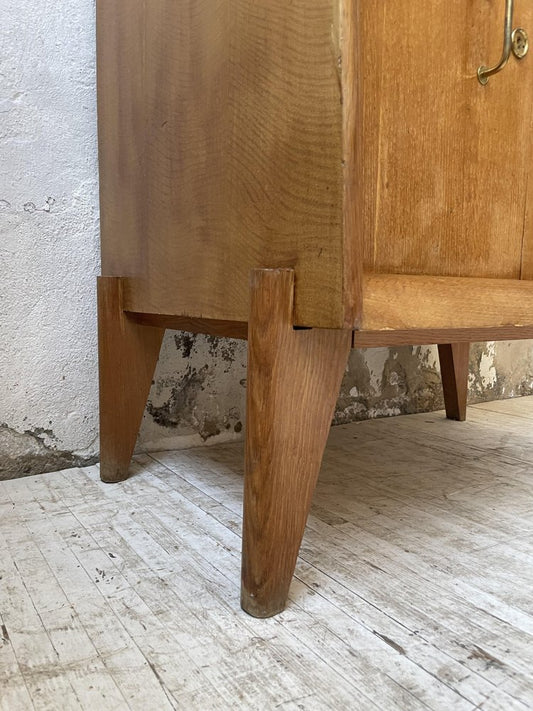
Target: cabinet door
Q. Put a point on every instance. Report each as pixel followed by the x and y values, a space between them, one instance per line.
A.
pixel 446 160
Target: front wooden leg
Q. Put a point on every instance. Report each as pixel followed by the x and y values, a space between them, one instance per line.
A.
pixel 454 372
pixel 294 378
pixel 127 354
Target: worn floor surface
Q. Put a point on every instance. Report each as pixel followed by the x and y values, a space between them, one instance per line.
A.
pixel 414 588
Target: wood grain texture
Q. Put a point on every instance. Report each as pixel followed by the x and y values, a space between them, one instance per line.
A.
pixel 454 373
pixel 221 149
pixel 127 355
pixel 404 302
pixel 211 327
pixel 294 378
pixel 121 136
pixel 353 163
pixel 527 248
pixel 361 339
pixel 446 160
pixel 237 135
pixel 421 337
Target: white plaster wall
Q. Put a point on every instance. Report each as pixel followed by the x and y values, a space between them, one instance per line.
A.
pixel 49 260
pixel 48 222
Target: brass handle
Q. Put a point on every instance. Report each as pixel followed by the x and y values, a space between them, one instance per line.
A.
pixel 516 40
pixel 483 73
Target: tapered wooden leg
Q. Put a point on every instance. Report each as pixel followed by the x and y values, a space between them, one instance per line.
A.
pixel 293 382
pixel 454 372
pixel 127 357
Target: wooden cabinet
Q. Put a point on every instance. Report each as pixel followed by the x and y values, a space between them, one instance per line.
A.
pixel 345 154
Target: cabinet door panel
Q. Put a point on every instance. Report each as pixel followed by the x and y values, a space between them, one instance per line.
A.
pixel 446 160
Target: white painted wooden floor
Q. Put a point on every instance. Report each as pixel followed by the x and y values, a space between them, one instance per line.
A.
pixel 414 587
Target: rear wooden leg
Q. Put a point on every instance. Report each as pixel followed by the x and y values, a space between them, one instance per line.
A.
pixel 294 378
pixel 127 357
pixel 454 372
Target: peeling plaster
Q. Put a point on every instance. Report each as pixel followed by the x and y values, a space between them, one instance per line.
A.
pixel 389 381
pixel 25 454
pixel 198 397
pixel 198 394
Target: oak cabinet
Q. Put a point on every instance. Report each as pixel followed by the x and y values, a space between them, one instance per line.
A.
pixel 343 153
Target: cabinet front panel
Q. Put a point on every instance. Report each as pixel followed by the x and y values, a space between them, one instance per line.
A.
pixel 446 160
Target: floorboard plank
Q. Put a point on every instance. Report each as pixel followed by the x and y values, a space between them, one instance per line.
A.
pixel 412 590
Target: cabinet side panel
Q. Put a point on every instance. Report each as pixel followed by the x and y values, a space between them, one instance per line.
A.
pixel 121 141
pixel 353 137
pixel 238 137
pixel 446 159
